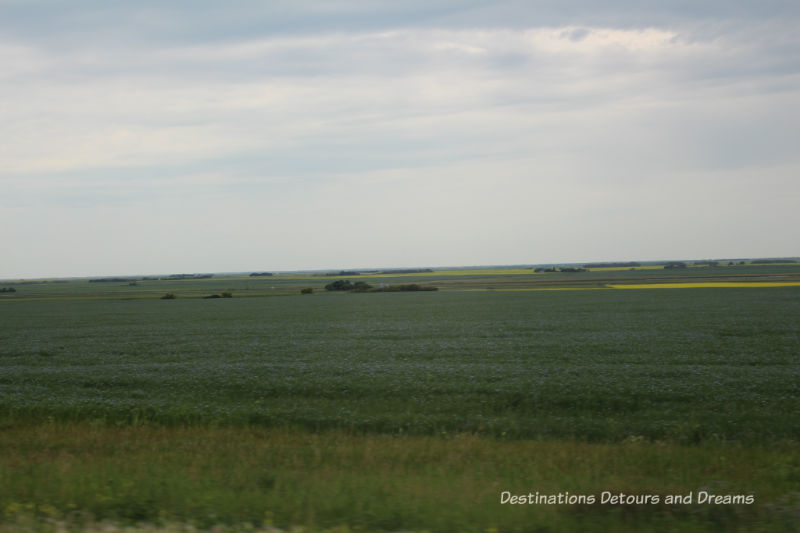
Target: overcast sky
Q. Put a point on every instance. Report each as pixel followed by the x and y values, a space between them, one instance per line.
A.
pixel 200 136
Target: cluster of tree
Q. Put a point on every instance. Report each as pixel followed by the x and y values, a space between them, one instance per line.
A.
pixel 8 289
pixel 771 261
pixel 169 296
pixel 347 285
pixel 117 280
pixel 189 276
pixel 223 295
pixel 675 264
pixel 628 264
pixel 255 274
pixel 307 290
pixel 343 273
pixel 706 263
pixel 361 286
pixel 560 269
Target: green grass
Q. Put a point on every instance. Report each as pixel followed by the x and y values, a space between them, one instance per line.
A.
pixel 686 365
pixel 78 473
pixel 398 411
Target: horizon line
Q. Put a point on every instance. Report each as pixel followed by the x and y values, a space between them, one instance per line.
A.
pixel 389 269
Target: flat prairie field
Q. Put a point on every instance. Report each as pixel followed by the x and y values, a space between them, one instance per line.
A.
pixel 451 410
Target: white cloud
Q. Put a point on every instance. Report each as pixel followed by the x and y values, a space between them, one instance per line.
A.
pixel 461 144
pixel 211 101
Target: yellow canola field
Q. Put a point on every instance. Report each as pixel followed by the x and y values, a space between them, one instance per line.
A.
pixel 528 289
pixel 709 284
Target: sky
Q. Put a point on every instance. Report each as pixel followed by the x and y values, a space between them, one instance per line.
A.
pixel 156 137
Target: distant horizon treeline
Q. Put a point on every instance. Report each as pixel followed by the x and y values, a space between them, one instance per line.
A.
pixel 613 265
pixel 343 273
pixel 363 286
pixel 171 277
pixel 390 271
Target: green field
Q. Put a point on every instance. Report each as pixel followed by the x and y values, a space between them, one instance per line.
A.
pixel 401 411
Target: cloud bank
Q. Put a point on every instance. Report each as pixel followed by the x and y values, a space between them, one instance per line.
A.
pixel 150 140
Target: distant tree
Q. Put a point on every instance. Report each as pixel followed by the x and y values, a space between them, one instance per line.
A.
pixel 307 290
pixel 339 285
pixel 361 286
pixel 169 296
pixel 613 265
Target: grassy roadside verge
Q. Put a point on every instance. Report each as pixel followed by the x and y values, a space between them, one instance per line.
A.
pixel 69 475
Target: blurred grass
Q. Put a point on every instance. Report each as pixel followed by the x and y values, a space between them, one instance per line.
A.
pixel 82 473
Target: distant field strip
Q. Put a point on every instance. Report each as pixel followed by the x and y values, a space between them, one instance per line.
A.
pixel 758 284
pixel 435 273
pixel 695 285
pixel 524 289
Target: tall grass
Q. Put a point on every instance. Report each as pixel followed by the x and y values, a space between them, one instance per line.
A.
pixel 75 473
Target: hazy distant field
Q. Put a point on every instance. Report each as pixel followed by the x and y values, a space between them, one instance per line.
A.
pixel 244 286
pixel 518 381
pixel 688 365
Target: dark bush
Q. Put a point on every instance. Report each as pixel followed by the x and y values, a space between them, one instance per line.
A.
pixel 361 286
pixel 340 285
pixel 227 295
pixel 168 296
pixel 307 290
